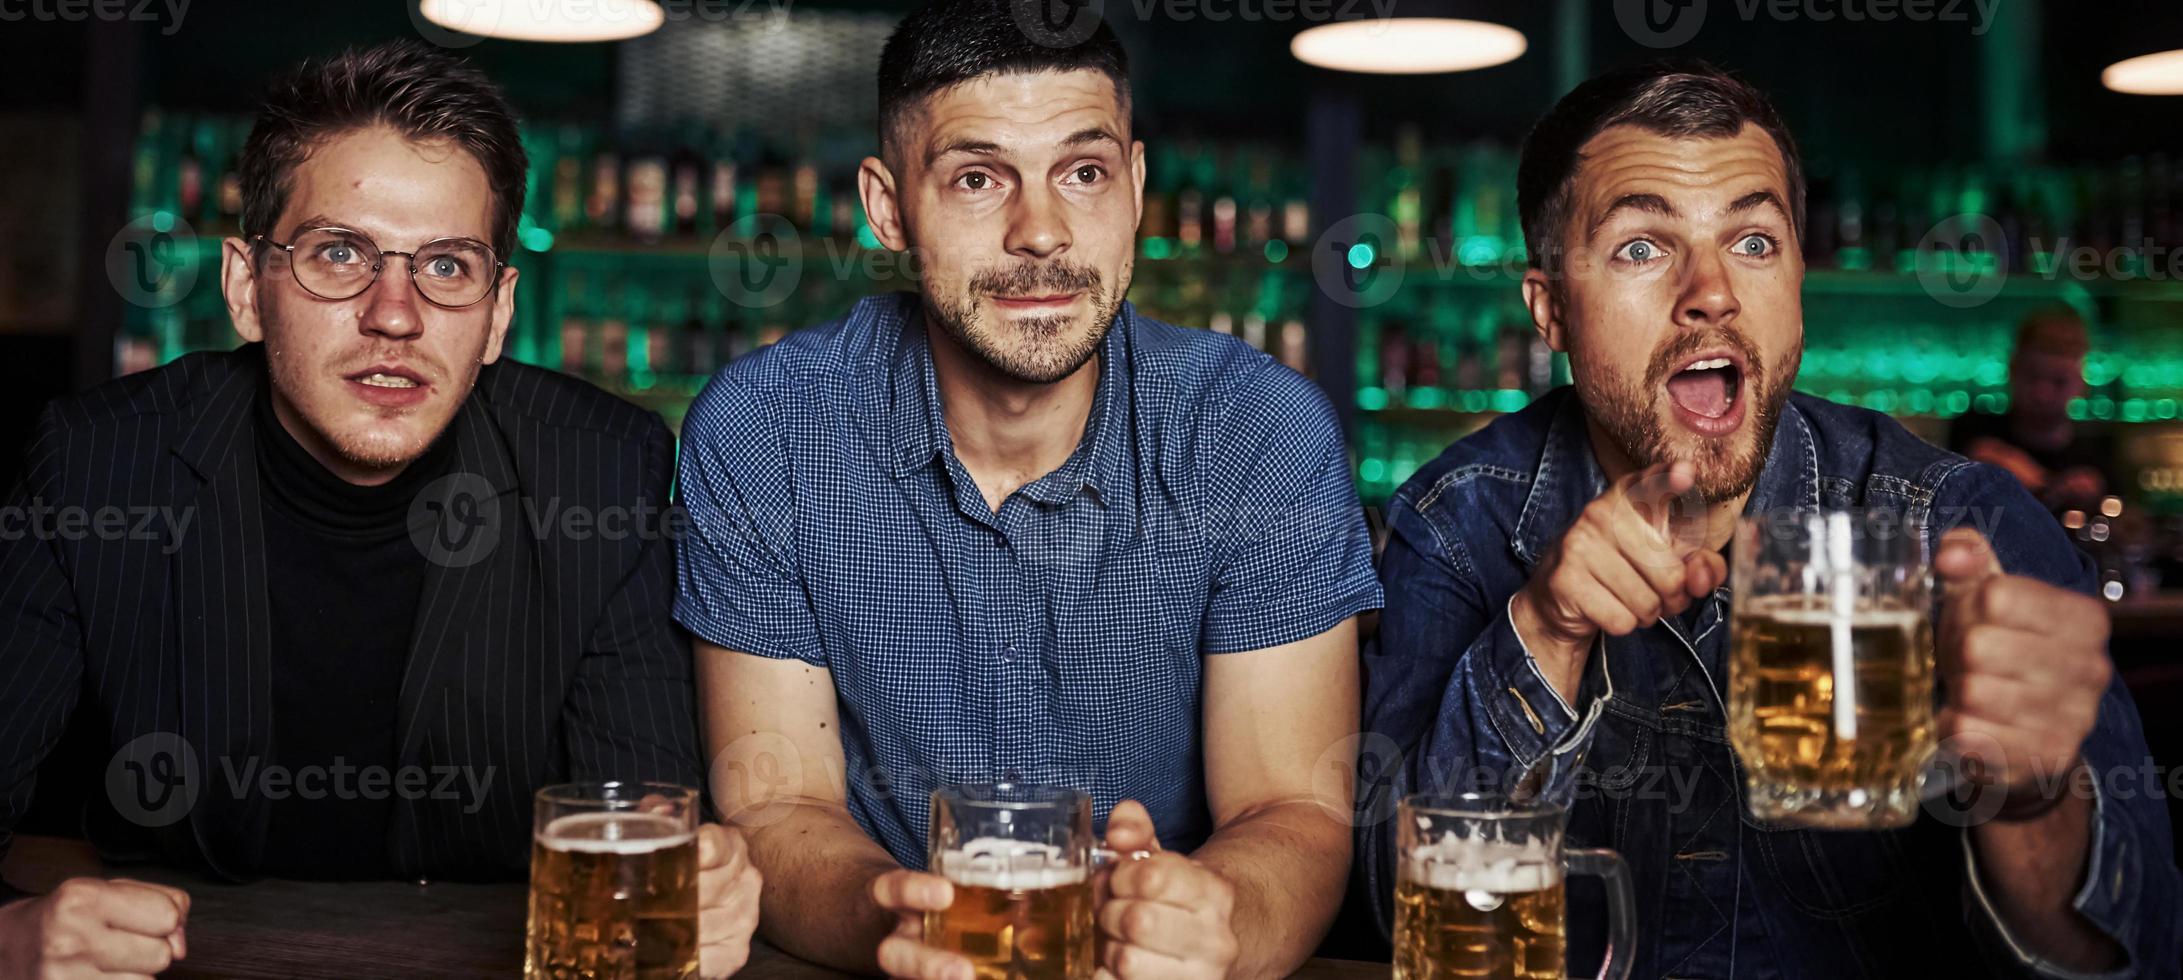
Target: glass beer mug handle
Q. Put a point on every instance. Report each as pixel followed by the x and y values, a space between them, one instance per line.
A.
pixel 1621 908
pixel 1103 858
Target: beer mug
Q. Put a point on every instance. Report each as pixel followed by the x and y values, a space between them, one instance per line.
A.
pixel 1021 859
pixel 613 882
pixel 1478 891
pixel 1830 674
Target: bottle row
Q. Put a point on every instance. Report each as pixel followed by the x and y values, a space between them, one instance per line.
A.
pixel 1454 203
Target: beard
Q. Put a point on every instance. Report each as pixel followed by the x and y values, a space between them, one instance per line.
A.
pixel 1631 414
pixel 1034 350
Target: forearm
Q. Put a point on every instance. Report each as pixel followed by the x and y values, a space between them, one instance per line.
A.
pixel 1288 863
pixel 2032 870
pixel 818 867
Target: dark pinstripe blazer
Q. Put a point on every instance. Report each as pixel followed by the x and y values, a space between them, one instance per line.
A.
pixel 535 657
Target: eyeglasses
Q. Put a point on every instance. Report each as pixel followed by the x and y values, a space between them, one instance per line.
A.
pixel 338 264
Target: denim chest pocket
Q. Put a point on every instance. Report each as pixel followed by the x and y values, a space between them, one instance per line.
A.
pixel 1830 874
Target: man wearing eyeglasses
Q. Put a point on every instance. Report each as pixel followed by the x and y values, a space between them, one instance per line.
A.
pixel 350 654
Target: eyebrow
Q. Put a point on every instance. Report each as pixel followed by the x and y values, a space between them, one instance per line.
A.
pixel 1648 203
pixel 1757 199
pixel 988 148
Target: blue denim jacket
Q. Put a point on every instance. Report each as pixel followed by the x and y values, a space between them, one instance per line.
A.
pixel 1452 699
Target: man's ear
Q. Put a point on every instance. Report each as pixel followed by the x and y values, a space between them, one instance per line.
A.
pixel 239 287
pixel 1540 297
pixel 1137 174
pixel 503 315
pixel 882 205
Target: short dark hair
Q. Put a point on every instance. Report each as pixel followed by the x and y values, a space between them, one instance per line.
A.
pixel 420 91
pixel 948 42
pixel 1679 98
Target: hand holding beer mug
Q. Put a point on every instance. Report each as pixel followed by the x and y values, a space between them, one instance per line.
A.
pixel 1478 891
pixel 1019 858
pixel 1831 667
pixel 614 882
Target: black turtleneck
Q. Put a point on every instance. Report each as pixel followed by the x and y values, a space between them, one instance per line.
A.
pixel 346 580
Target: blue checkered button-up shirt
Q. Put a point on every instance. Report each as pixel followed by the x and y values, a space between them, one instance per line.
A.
pixel 1207 511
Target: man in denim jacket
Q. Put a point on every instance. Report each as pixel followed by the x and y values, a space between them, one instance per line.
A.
pixel 1557 592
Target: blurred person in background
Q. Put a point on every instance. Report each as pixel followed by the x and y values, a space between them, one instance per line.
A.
pixel 2063 464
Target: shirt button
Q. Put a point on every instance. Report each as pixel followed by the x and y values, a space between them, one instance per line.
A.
pixel 1008 650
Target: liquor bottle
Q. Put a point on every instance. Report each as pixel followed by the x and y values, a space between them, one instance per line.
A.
pixel 686 175
pixel 647 198
pixel 613 339
pixel 602 208
pixel 577 316
pixel 722 195
pixel 568 180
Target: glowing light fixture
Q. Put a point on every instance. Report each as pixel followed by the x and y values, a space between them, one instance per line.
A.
pixel 2149 74
pixel 1408 45
pixel 547 20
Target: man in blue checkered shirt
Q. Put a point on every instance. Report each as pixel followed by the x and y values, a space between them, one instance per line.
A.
pixel 1008 529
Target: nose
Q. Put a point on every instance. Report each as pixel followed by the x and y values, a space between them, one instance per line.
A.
pixel 392 306
pixel 1708 297
pixel 1037 226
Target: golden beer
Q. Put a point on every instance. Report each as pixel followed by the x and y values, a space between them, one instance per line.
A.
pixel 1787 714
pixel 613 895
pixel 1028 924
pixel 1485 915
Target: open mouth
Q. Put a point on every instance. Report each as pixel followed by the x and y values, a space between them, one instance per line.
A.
pixel 1708 393
pixel 380 379
pixel 1707 387
pixel 389 386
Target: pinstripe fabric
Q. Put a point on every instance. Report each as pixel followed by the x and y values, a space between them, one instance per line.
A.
pixel 1208 510
pixel 550 657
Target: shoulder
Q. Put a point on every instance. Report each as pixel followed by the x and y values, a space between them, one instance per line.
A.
pixel 1861 451
pixel 1503 454
pixel 533 397
pixel 1237 396
pixel 1875 458
pixel 177 389
pixel 816 370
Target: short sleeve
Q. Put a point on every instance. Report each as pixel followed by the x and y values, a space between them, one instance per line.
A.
pixel 1295 555
pixel 737 586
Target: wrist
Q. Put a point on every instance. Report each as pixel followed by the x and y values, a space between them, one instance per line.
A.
pixel 1546 643
pixel 2025 803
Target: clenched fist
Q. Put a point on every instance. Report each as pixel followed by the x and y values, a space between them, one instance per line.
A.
pixel 93 928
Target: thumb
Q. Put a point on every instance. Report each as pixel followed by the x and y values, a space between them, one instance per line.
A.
pixel 1966 557
pixel 1129 828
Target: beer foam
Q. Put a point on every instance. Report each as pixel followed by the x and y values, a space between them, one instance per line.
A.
pixel 614 833
pixel 1010 865
pixel 1494 867
pixel 1799 611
